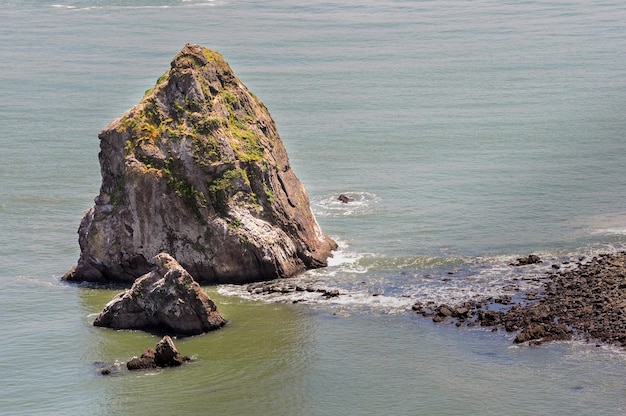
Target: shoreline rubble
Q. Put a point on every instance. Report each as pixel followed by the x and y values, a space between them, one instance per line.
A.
pixel 587 303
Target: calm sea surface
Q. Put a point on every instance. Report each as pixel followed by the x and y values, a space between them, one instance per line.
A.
pixel 469 133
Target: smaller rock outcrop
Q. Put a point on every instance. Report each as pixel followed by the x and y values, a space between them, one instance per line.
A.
pixel 144 362
pixel 166 300
pixel 165 355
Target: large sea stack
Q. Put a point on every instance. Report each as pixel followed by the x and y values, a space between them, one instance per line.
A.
pixel 197 170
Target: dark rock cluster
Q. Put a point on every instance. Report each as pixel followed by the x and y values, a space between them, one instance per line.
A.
pixel 166 300
pixel 267 288
pixel 587 302
pixel 530 259
pixel 164 355
pixel 344 199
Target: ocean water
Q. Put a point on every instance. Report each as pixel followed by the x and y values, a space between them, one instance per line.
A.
pixel 469 133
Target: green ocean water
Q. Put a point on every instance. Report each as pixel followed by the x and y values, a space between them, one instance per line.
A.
pixel 468 133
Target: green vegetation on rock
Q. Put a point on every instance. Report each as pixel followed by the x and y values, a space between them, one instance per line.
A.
pixel 224 186
pixel 197 156
pixel 177 181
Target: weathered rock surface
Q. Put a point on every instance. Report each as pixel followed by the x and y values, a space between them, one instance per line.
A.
pixel 197 169
pixel 165 355
pixel 166 300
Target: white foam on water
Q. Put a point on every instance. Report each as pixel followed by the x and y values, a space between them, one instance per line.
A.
pixel 603 224
pixel 613 231
pixel 342 256
pixel 360 203
pixel 118 6
pixel 369 282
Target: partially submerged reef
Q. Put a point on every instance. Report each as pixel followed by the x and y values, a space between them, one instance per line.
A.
pixel 584 301
pixel 587 302
pixel 197 170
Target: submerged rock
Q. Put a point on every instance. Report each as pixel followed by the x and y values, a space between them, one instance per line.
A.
pixel 166 300
pixel 197 169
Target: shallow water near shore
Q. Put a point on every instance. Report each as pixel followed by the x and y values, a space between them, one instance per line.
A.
pixel 467 133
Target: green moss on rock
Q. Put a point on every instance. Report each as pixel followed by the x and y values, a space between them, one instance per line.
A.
pixel 199 153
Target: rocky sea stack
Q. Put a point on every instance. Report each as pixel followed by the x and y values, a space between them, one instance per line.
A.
pixel 197 170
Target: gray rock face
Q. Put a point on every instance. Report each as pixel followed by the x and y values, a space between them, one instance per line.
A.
pixel 166 300
pixel 197 169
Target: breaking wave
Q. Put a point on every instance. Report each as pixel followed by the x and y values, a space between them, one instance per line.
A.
pixel 360 282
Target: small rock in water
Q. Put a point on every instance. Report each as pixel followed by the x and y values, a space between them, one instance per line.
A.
pixel 330 293
pixel 166 355
pixel 144 362
pixel 344 198
pixel 104 369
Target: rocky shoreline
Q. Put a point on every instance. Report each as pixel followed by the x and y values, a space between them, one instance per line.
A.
pixel 583 300
pixel 587 302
